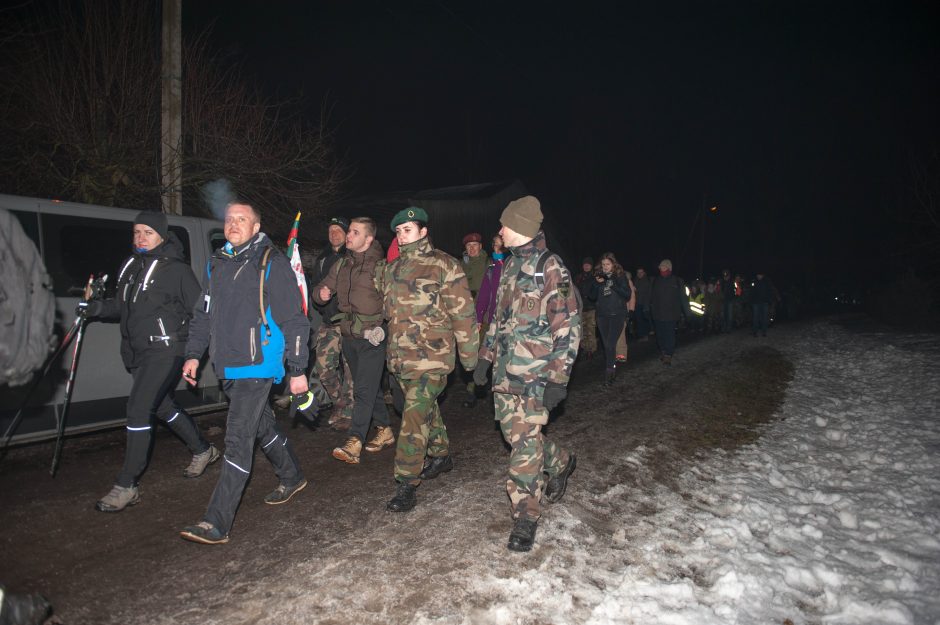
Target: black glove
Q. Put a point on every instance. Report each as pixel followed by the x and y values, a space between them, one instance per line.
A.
pixel 304 405
pixel 88 309
pixel 479 374
pixel 554 394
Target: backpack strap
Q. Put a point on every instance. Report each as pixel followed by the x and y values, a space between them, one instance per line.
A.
pixel 263 271
pixel 540 269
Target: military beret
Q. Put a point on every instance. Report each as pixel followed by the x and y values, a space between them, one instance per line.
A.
pixel 412 213
pixel 473 237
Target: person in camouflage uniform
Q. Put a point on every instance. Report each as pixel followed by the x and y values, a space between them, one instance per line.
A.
pixel 328 363
pixel 531 345
pixel 429 308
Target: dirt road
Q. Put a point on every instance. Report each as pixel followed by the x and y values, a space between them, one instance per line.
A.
pixel 334 555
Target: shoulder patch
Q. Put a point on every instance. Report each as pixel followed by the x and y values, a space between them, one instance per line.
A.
pixel 564 288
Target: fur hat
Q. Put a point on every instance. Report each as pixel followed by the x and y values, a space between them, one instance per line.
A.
pixel 473 237
pixel 412 213
pixel 523 215
pixel 154 219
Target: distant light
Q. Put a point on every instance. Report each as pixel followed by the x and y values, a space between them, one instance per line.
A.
pixel 714 209
pixel 837 298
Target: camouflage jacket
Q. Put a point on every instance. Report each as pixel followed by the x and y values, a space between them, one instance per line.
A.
pixel 429 308
pixel 534 336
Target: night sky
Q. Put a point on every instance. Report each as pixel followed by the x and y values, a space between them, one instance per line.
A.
pixel 798 119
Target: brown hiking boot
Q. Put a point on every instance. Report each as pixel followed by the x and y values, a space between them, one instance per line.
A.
pixel 350 450
pixel 383 438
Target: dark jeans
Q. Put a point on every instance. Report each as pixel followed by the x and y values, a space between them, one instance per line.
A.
pixel 250 419
pixel 759 315
pixel 152 395
pixel 644 322
pixel 366 363
pixel 666 336
pixel 610 329
pixel 727 315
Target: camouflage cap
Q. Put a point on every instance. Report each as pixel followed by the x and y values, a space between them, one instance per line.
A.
pixel 412 213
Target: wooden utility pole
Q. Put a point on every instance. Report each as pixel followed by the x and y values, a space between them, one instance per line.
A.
pixel 171 113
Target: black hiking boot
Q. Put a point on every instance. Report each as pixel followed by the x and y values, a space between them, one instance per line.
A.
pixel 522 535
pixel 555 489
pixel 404 500
pixel 435 466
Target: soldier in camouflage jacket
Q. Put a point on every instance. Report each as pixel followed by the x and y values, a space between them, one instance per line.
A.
pixel 531 344
pixel 429 308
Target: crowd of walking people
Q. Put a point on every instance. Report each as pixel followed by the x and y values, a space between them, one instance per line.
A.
pixel 618 306
pixel 396 322
pixel 386 325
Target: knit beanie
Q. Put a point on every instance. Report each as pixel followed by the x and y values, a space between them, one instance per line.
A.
pixel 155 220
pixel 523 216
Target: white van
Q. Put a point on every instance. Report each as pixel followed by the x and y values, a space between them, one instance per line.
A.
pixel 76 241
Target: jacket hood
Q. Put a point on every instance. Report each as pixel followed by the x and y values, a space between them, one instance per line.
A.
pixel 254 247
pixel 170 248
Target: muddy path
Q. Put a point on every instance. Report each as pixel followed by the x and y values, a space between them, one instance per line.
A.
pixel 334 555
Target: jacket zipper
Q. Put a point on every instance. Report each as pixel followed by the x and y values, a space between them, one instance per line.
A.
pixel 253 350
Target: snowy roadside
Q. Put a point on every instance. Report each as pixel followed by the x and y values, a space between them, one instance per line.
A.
pixel 833 516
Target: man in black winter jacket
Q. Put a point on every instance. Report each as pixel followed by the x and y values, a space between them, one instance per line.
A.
pixel 668 303
pixel 251 319
pixel 156 292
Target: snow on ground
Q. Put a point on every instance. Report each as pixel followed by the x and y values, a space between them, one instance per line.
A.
pixel 833 516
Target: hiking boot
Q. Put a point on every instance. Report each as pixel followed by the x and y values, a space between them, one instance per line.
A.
pixel 339 422
pixel 383 438
pixel 435 466
pixel 555 489
pixel 404 500
pixel 350 450
pixel 119 498
pixel 200 461
pixel 205 533
pixel 667 360
pixel 522 535
pixel 282 493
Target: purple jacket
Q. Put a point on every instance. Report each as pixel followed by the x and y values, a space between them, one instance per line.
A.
pixel 486 298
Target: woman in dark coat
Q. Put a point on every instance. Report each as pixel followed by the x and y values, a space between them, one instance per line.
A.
pixel 611 292
pixel 156 292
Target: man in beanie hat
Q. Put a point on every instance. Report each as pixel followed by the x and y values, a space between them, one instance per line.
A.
pixel 668 303
pixel 531 344
pixel 429 308
pixel 328 362
pixel 154 300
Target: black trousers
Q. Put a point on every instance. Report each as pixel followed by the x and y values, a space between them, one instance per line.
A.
pixel 610 328
pixel 366 363
pixel 152 396
pixel 250 419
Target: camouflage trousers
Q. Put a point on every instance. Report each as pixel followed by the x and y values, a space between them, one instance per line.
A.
pixel 588 331
pixel 422 428
pixel 331 368
pixel 532 454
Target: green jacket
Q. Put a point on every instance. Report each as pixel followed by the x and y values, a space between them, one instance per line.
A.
pixel 475 268
pixel 429 308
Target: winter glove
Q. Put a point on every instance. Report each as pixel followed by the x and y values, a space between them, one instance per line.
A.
pixel 304 405
pixel 374 335
pixel 479 374
pixel 88 309
pixel 554 394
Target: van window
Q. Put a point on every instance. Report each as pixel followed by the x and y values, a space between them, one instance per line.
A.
pixel 77 247
pixel 30 223
pixel 216 239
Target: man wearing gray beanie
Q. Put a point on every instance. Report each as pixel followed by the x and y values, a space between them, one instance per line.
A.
pixel 531 345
